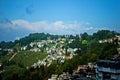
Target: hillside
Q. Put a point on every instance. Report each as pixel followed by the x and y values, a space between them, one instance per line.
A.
pixel 56 53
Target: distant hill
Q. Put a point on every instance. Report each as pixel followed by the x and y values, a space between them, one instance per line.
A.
pixel 35 37
pixel 104 34
pixel 101 34
pixel 28 39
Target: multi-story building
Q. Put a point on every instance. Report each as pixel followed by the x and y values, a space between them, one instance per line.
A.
pixel 108 70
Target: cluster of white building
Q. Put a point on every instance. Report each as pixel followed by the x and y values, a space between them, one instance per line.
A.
pixel 55 50
pixel 111 40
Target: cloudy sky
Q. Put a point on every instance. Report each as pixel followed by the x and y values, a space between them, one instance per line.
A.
pixel 18 18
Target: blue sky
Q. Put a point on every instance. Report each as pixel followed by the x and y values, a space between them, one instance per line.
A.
pixel 21 17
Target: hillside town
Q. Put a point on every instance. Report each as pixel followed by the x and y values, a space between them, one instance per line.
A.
pixel 57 51
pixel 59 39
pixel 104 69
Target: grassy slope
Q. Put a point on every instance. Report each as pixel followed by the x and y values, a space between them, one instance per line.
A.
pixel 27 58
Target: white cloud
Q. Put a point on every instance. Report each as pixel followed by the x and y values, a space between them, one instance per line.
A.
pixel 89 28
pixel 57 27
pixel 22 27
pixel 24 24
pixel 17 38
pixel 58 23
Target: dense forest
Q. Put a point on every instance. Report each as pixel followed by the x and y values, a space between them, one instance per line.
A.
pixel 91 51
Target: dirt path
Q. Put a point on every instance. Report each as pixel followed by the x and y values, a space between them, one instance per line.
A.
pixel 12 56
